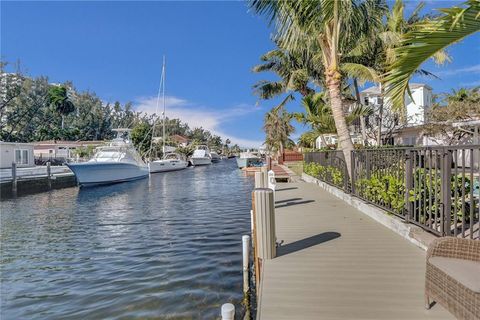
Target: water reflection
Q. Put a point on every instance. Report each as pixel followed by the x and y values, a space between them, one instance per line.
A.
pixel 158 248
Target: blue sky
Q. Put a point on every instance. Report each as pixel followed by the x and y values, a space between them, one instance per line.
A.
pixel 115 49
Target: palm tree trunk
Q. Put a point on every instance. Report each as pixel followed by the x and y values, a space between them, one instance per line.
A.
pixel 380 116
pixel 363 126
pixel 333 80
pixel 63 120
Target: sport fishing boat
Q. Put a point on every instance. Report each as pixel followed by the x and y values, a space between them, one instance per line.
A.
pixel 215 157
pixel 170 162
pixel 117 162
pixel 201 156
pixel 249 159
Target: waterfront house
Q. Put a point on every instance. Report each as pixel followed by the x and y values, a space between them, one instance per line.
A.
pixel 61 150
pixel 180 140
pixel 16 152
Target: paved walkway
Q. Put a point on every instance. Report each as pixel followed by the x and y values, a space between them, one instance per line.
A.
pixel 337 263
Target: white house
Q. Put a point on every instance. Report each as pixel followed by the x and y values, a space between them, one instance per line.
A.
pixel 57 149
pixel 417 106
pixel 20 153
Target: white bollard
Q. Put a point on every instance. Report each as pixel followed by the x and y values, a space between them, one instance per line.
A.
pixel 228 311
pixel 272 183
pixel 246 262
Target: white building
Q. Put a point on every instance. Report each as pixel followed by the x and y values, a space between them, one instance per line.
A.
pixel 15 152
pixel 57 149
pixel 417 106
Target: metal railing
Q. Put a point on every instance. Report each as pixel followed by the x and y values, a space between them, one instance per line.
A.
pixel 436 188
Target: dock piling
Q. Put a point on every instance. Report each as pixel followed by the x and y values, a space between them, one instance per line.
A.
pixel 264 228
pixel 228 311
pixel 49 175
pixel 14 177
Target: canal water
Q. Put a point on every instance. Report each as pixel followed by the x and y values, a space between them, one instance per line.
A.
pixel 168 247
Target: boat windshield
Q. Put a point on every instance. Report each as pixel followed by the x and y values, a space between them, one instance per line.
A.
pixel 108 155
pixel 171 156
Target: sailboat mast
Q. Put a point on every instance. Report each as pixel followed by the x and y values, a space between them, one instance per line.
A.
pixel 163 93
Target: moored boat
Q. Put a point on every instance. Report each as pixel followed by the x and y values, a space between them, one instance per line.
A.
pixel 201 156
pixel 215 157
pixel 117 162
pixel 170 162
pixel 249 159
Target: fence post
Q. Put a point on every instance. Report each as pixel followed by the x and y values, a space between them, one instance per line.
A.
pixel 367 163
pixel 14 177
pixel 265 176
pixel 408 184
pixel 352 170
pixel 446 192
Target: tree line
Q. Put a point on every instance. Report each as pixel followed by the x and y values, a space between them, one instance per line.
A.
pixel 33 109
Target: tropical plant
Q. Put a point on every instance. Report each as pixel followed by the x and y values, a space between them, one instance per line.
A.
pixel 427 39
pixel 278 127
pixel 142 137
pixel 330 28
pixel 58 98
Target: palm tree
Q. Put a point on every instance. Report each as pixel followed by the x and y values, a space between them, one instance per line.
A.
pixel 278 127
pixel 425 41
pixel 58 98
pixel 330 27
pixel 318 114
pixel 376 52
pixel 292 67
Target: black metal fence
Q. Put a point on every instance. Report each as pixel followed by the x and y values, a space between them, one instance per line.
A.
pixel 436 188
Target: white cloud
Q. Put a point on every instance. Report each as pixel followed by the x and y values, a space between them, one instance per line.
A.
pixel 199 116
pixel 471 69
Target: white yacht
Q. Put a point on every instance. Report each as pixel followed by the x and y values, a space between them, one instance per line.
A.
pixel 170 162
pixel 249 159
pixel 117 162
pixel 201 156
pixel 215 157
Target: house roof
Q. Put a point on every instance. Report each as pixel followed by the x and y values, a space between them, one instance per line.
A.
pixel 179 138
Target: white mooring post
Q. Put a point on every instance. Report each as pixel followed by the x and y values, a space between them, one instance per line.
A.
pixel 246 263
pixel 228 311
pixel 259 180
pixel 272 183
pixel 265 223
pixel 14 177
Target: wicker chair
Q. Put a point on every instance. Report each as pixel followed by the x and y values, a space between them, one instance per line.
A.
pixel 453 276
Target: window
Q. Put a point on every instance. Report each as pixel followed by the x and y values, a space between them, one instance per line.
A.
pixel 21 156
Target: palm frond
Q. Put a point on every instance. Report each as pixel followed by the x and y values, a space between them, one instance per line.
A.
pixel 425 40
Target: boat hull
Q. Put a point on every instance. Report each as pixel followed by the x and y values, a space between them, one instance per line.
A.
pixel 166 165
pixel 94 173
pixel 248 162
pixel 201 161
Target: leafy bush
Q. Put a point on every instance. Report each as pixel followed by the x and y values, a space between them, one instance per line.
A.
pixel 327 173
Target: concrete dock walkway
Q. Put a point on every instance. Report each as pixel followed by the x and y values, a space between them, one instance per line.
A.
pixel 336 263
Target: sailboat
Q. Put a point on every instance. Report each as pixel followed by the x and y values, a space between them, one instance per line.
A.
pixel 117 162
pixel 171 161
